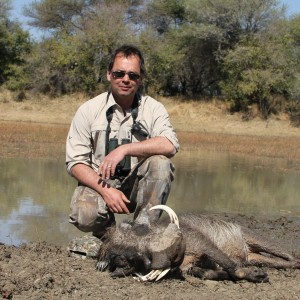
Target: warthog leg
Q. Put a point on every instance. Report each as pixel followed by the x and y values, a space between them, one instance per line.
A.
pixel 257 246
pixel 252 275
pixel 256 259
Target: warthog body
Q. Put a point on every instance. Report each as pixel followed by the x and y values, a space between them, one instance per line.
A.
pixel 206 247
pixel 216 249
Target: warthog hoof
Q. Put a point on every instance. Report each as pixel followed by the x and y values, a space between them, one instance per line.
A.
pixel 253 275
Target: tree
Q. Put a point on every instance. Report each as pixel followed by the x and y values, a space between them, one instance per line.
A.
pixel 5 7
pixel 56 15
pixel 80 45
pixel 260 68
pixel 14 46
pixel 166 14
pixel 199 33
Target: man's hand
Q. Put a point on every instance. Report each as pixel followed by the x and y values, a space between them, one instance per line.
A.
pixel 115 200
pixel 108 166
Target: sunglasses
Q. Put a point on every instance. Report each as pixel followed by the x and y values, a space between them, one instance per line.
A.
pixel 121 74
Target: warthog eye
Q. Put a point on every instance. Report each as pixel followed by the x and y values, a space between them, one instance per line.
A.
pixel 141 229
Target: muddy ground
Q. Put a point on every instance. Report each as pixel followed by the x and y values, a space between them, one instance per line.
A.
pixel 43 271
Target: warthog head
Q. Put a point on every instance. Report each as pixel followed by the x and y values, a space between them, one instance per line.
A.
pixel 137 249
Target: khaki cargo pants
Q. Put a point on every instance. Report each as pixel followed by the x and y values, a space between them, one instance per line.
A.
pixel 148 184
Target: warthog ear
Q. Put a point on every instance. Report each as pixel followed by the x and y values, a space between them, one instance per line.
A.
pixel 138 229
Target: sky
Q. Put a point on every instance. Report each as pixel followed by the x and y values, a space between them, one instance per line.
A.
pixel 16 13
pixel 17 6
pixel 293 7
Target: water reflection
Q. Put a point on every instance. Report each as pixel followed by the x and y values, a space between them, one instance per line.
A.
pixel 34 201
pixel 210 182
pixel 35 194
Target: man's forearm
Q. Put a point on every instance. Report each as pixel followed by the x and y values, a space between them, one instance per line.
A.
pixel 154 146
pixel 87 176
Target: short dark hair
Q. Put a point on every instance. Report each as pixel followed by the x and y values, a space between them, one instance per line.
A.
pixel 128 50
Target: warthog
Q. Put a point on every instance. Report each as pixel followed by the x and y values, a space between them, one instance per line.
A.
pixel 204 246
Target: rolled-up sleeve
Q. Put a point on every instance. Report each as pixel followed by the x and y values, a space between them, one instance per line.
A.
pixel 78 144
pixel 162 125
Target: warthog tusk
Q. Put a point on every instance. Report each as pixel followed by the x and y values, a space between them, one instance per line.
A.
pixel 169 211
pixel 153 275
pixel 162 274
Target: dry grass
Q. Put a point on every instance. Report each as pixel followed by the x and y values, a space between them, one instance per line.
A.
pixel 264 146
pixel 39 109
pixel 31 140
pixel 38 128
pixel 213 117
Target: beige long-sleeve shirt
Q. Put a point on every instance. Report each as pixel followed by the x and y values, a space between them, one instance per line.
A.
pixel 86 141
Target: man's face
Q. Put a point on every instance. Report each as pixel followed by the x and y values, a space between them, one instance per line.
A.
pixel 125 87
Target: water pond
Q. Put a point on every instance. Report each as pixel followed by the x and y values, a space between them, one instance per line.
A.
pixel 35 194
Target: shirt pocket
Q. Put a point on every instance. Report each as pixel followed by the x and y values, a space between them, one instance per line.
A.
pixel 98 141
